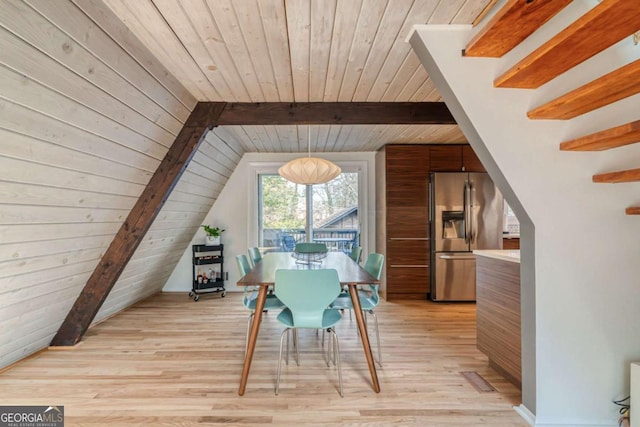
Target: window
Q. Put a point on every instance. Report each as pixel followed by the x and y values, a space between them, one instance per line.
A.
pixel 283 210
pixel 511 224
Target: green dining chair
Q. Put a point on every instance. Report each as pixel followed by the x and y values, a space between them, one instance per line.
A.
pixel 254 255
pixel 369 297
pixel 305 247
pixel 307 294
pixel 355 253
pixel 249 298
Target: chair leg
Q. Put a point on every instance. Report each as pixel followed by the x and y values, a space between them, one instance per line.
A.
pixel 375 318
pixel 246 341
pixel 326 354
pixel 286 331
pixel 295 346
pixel 336 347
pixel 286 357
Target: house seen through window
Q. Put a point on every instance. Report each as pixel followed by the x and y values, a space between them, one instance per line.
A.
pixel 332 211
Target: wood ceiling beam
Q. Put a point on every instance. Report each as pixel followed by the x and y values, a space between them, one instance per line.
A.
pixel 612 87
pixel 618 136
pixel 604 25
pixel 132 231
pixel 207 115
pixel 513 23
pixel 345 113
pixel 631 175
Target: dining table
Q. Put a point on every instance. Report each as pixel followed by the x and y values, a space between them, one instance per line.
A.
pixel 350 274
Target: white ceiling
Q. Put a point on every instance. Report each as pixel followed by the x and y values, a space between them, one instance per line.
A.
pixel 302 51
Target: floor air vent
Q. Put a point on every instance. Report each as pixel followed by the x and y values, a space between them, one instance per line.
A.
pixel 479 383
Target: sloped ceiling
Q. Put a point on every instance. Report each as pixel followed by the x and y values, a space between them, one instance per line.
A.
pixel 299 51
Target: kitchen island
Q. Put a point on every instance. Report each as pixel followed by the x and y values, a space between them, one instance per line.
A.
pixel 498 311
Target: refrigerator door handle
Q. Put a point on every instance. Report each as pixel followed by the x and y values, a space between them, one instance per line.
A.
pixel 467 225
pixel 472 225
pixel 431 208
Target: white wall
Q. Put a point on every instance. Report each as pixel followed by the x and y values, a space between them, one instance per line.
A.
pixel 234 209
pixel 583 284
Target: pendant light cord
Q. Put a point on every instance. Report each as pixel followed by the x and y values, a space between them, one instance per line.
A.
pixel 309 142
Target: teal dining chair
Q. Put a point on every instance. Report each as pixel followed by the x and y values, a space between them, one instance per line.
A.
pixel 355 253
pixel 307 294
pixel 254 255
pixel 305 247
pixel 249 298
pixel 369 296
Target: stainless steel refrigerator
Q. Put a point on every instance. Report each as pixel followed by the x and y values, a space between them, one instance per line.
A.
pixel 465 214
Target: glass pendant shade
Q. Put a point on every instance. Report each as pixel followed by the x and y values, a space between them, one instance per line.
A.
pixel 309 171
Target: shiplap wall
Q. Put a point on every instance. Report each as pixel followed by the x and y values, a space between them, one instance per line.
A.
pixel 86 116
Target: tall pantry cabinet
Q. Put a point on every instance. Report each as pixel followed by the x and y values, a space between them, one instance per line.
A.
pixel 402 211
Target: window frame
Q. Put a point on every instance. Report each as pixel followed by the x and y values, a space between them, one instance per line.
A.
pixel 348 166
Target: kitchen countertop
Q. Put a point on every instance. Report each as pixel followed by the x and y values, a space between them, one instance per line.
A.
pixel 504 255
pixel 510 235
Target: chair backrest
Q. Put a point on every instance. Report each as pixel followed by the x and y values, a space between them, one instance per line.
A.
pixel 356 251
pixel 374 265
pixel 243 265
pixel 243 269
pixel 255 255
pixel 288 243
pixel 309 248
pixel 307 293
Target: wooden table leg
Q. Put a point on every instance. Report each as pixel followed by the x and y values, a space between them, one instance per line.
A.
pixel 366 345
pixel 253 337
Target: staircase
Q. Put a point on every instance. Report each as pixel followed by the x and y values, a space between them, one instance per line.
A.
pixel 601 27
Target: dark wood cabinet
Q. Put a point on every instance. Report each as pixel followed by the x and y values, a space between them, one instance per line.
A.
pixel 445 158
pixel 406 211
pixel 407 282
pixel 470 161
pixel 407 220
pixel 407 175
pixel 511 243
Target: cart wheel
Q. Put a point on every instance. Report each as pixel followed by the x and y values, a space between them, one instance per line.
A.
pixel 196 297
pixel 224 294
pixel 191 294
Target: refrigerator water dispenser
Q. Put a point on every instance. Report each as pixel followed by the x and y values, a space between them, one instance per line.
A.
pixel 453 225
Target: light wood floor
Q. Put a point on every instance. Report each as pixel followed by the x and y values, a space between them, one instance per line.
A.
pixel 169 361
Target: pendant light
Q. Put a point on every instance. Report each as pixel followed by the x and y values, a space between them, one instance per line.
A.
pixel 309 170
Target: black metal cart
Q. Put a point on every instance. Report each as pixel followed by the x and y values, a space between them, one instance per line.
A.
pixel 208 271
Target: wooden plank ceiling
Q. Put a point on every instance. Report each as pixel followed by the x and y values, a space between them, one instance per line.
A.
pixel 299 51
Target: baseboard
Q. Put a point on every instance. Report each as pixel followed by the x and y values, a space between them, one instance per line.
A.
pixel 526 414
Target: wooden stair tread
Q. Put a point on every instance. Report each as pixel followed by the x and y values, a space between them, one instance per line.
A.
pixel 633 210
pixel 513 23
pixel 618 136
pixel 630 175
pixel 611 87
pixel 601 27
